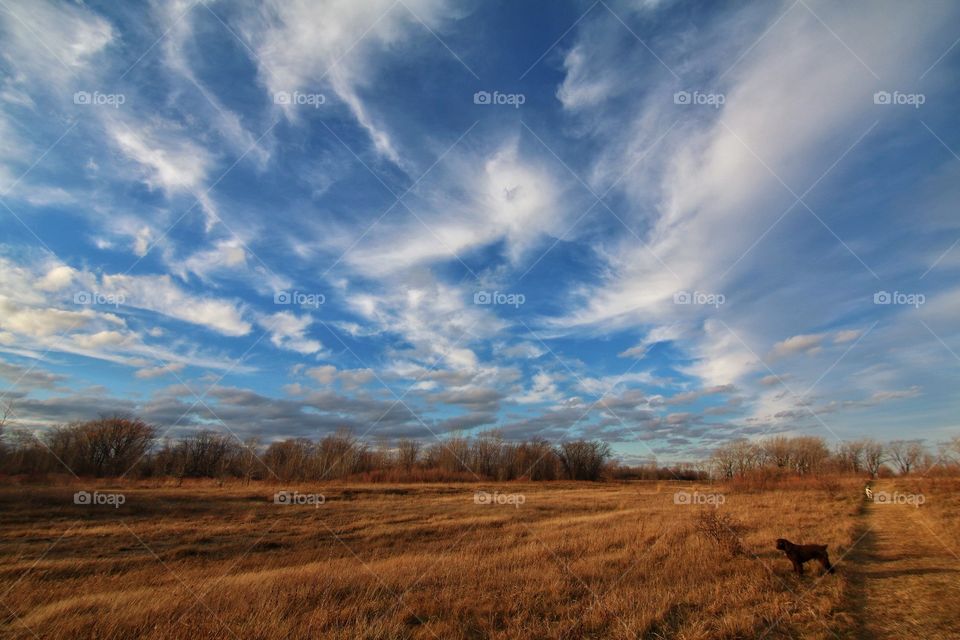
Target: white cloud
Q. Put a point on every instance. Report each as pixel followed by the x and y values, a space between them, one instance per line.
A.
pixel 848 335
pixel 168 160
pixel 159 371
pixel 809 344
pixel 179 44
pixel 514 198
pixel 57 278
pixel 309 46
pixel 656 335
pixel 161 295
pixel 542 389
pixel 289 331
pixel 350 379
pixel 52 42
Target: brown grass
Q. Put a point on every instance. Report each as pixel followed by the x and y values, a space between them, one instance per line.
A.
pixel 575 560
pixel 907 577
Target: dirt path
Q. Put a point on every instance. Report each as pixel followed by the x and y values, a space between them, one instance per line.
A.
pixel 907 574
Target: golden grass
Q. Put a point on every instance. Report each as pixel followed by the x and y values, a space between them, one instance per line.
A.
pixel 907 563
pixel 420 561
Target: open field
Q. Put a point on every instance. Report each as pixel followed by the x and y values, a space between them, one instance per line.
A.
pixel 413 561
pixel 426 561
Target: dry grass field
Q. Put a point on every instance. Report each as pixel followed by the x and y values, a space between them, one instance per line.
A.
pixel 574 560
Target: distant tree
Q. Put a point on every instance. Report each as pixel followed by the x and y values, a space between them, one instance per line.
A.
pixel 737 457
pixel 6 413
pixel 536 460
pixel 777 451
pixel 873 457
pixel 850 455
pixel 809 454
pixel 249 462
pixel 906 454
pixel 408 454
pixel 582 459
pixel 108 446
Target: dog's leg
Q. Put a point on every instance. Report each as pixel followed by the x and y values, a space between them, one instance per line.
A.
pixel 825 562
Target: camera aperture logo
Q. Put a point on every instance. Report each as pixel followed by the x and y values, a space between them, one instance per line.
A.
pixel 912 499
pixel 299 499
pixel 496 98
pixel 697 498
pixel 98 99
pixel 700 298
pixel 485 497
pixel 700 98
pixel 97 298
pixel 299 298
pixel 97 498
pixel 899 298
pixel 299 99
pixel 899 98
pixel 499 298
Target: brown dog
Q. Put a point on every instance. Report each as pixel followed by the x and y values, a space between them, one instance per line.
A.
pixel 800 553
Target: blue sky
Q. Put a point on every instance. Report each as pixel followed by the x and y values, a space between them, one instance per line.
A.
pixel 662 224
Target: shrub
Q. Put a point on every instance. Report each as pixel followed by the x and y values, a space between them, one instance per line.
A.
pixel 722 530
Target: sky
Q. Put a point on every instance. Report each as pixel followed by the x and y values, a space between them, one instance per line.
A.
pixel 661 224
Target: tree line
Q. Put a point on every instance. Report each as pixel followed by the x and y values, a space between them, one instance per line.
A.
pixel 805 455
pixel 115 446
pixel 125 446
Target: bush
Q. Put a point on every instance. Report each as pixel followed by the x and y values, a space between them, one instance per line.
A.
pixel 722 530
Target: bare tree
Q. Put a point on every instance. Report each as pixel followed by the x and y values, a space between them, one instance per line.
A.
pixel 809 455
pixel 6 411
pixel 850 455
pixel 582 459
pixel 778 451
pixel 248 458
pixel 873 457
pixel 906 454
pixel 408 454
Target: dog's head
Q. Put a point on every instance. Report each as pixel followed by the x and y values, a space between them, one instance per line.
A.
pixel 782 544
